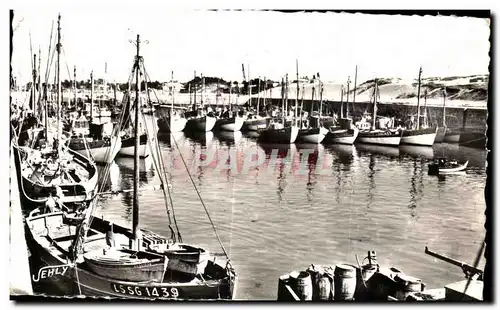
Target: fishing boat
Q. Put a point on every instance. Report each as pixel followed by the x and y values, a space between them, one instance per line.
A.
pixel 315 133
pixel 452 135
pixel 443 166
pixel 279 132
pixel 174 121
pixel 199 119
pixel 341 136
pixel 128 129
pixel 377 136
pixel 419 136
pixel 95 257
pixel 255 121
pixel 46 166
pixel 232 123
pixel 441 133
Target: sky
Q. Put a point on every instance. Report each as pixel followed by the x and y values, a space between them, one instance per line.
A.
pixel 217 43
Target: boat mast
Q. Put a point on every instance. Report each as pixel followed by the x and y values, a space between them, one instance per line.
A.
pixel 194 86
pixel 312 103
pixel 347 97
pixel 426 123
pixel 92 94
pixel 302 105
pixel 320 101
pixel 172 83
pixel 135 213
pixel 283 100
pixel 418 98
pixel 375 94
pixel 355 85
pixel 297 97
pixel 286 96
pixel 58 72
pixel 74 78
pixel 444 107
pixel 342 101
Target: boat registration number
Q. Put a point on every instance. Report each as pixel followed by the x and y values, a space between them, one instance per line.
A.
pixel 145 291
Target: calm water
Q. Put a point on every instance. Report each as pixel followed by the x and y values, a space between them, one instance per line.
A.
pixel 346 200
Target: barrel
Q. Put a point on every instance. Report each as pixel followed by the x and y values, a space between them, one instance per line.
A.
pixel 407 285
pixel 324 286
pixel 304 286
pixel 344 282
pixel 362 286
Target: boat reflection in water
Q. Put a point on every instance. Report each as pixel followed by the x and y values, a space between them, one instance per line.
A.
pixel 170 139
pixel 343 154
pixel 252 134
pixel 203 138
pixel 388 151
pixel 417 151
pixel 229 137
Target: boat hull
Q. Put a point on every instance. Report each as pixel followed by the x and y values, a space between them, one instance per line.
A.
pixel 204 124
pixel 425 137
pixel 128 147
pixel 313 135
pixel 440 135
pixel 286 135
pixel 78 279
pixel 230 124
pixel 452 137
pixel 74 192
pixel 171 125
pixel 103 153
pixel 380 138
pixel 255 124
pixel 342 136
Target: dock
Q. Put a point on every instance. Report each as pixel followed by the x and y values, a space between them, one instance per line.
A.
pixel 19 269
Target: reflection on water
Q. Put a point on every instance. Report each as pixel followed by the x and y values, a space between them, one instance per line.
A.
pixel 282 207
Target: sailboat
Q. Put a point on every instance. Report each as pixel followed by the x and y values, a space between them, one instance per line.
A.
pixel 441 133
pixel 316 133
pixel 175 122
pixel 255 121
pixel 94 137
pixel 229 120
pixel 280 133
pixel 95 257
pixel 48 167
pixel 200 121
pixel 345 132
pixel 377 136
pixel 419 135
pixel 128 130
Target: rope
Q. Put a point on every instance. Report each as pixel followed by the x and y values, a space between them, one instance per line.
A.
pixel 161 168
pixel 198 193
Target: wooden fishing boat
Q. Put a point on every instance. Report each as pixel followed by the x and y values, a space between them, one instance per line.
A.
pixel 452 136
pixel 202 123
pixel 380 137
pixel 286 135
pixel 41 173
pixel 127 265
pixel 255 122
pixel 422 136
pixel 312 135
pixel 128 147
pixel 172 124
pixel 443 166
pixel 441 132
pixel 341 136
pixel 234 123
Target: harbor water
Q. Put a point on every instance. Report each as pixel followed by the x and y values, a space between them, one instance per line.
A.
pixel 274 217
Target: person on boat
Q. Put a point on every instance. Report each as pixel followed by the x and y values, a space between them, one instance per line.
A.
pixel 50 204
pixel 110 237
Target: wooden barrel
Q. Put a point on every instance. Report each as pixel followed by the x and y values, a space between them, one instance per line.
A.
pixel 304 286
pixel 344 282
pixel 407 285
pixel 324 285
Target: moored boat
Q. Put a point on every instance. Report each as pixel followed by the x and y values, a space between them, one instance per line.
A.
pixel 202 123
pixel 380 137
pixel 255 122
pixel 230 124
pixel 341 136
pixel 441 132
pixel 422 136
pixel 452 136
pixel 128 147
pixel 312 135
pixel 286 135
pixel 443 166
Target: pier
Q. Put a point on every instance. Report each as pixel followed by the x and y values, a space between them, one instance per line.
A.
pixel 19 270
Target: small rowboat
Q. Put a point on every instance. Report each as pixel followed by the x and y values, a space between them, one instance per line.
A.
pixel 442 166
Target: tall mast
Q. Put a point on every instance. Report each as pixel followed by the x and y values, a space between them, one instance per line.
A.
pixel 320 101
pixel 375 94
pixel 341 101
pixel 194 85
pixel 202 88
pixel 286 94
pixel 258 97
pixel 425 108
pixel 418 98
pixel 173 92
pixel 347 97
pixel 135 213
pixel 297 97
pixel 301 105
pixel 33 86
pixel 92 94
pixel 74 82
pixel 283 100
pixel 312 103
pixel 444 107
pixel 58 74
pixel 355 85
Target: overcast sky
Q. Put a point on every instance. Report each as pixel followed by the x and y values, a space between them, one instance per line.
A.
pixel 216 43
